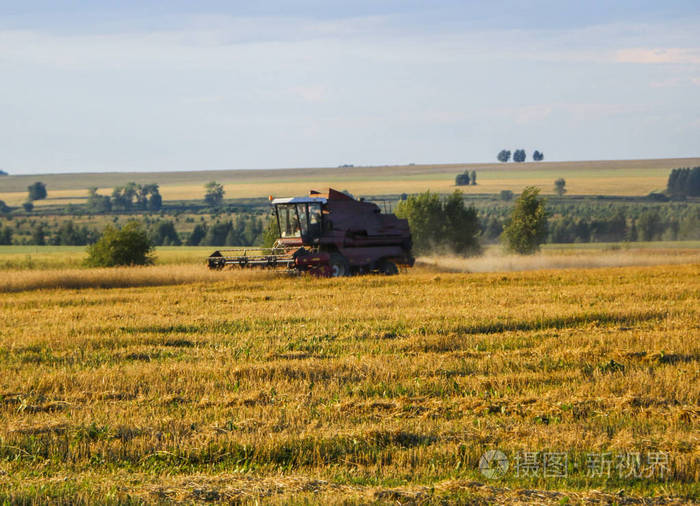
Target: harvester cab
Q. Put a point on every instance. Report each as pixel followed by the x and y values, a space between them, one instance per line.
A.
pixel 328 235
pixel 299 219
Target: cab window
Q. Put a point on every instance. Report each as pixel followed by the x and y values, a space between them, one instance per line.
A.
pixel 288 220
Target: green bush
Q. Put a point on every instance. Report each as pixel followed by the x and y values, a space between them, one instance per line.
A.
pixel 462 179
pixel 441 223
pixel 506 195
pixel 129 245
pixel 37 191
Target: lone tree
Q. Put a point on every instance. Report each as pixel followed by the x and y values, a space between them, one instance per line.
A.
pixel 538 156
pixel 462 179
pixel 527 227
pixel 473 177
pixel 560 186
pixel 37 191
pixel 129 245
pixel 214 194
pixel 503 155
pixel 519 155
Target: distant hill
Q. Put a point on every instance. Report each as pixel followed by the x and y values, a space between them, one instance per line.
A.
pixel 602 177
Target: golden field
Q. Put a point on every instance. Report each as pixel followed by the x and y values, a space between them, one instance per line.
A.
pixel 60 259
pixel 250 386
pixel 600 177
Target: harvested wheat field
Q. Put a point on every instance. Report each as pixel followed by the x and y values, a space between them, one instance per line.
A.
pixel 367 389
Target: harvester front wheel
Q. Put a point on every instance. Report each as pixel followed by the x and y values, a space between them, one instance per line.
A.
pixel 388 268
pixel 339 265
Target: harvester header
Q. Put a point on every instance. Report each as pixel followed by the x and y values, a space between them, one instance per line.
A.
pixel 328 234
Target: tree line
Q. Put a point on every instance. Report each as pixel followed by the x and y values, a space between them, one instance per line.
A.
pixel 242 230
pixel 519 155
pixel 533 220
pixel 568 222
pixel 446 225
pixel 129 197
pixel 684 182
pixel 612 222
pixel 42 233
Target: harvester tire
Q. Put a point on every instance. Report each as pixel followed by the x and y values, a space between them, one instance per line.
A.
pixel 339 265
pixel 388 268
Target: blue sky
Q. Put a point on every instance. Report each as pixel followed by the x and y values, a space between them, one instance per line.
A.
pixel 178 85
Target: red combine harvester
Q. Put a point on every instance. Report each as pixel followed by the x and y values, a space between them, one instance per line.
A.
pixel 328 235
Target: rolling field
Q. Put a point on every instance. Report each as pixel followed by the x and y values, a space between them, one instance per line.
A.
pixel 389 389
pixel 616 177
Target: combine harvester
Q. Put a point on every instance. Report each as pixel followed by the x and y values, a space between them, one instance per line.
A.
pixel 328 235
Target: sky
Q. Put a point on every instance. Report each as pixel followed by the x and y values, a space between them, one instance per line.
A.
pixel 199 85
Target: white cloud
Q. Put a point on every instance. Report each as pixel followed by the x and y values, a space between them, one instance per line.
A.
pixel 659 55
